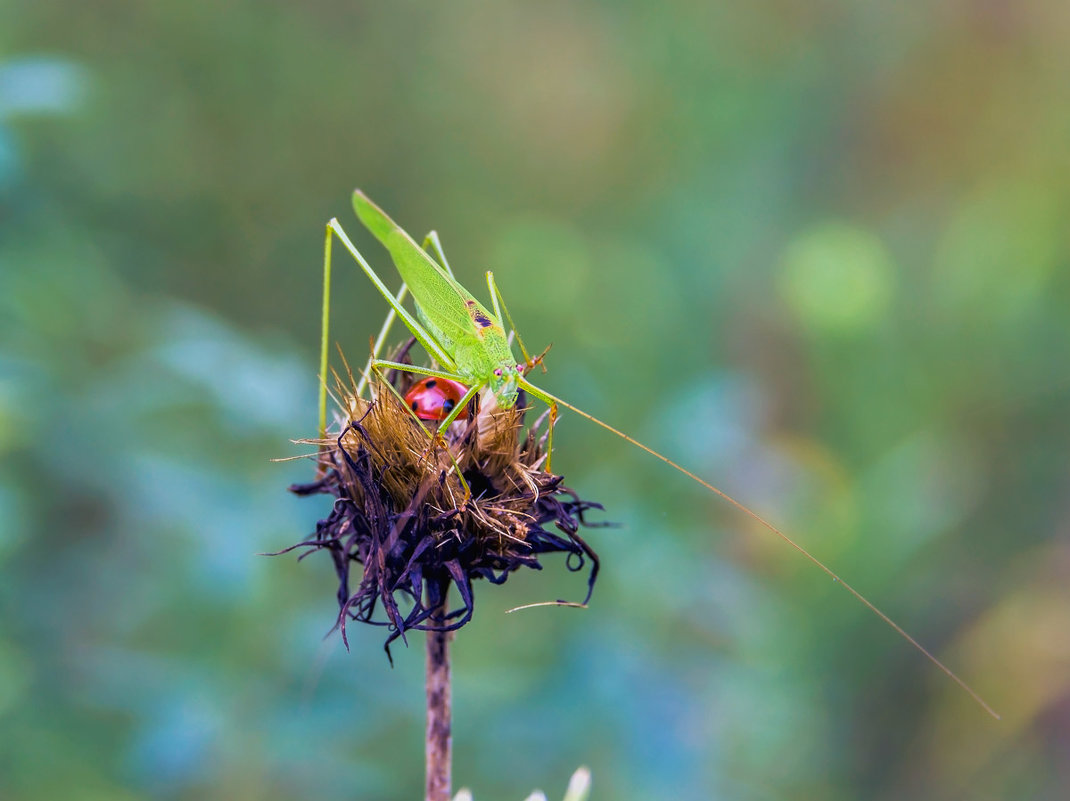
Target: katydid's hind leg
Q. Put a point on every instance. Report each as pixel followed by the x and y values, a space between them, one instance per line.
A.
pixel 550 401
pixel 381 339
pixel 423 336
pixel 325 332
pixel 433 245
pixel 498 302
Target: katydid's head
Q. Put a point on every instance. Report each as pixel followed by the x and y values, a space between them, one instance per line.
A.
pixel 505 383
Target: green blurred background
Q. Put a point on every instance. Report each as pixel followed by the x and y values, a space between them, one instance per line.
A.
pixel 817 251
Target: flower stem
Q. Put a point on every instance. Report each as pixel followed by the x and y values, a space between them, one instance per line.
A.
pixel 439 736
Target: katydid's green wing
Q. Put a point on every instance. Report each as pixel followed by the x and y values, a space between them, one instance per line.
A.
pixel 444 303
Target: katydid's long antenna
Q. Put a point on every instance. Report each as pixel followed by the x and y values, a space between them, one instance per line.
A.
pixel 754 515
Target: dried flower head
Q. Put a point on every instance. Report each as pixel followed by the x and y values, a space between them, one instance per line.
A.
pixel 401 510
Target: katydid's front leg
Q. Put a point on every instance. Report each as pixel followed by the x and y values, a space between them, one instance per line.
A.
pixel 428 371
pixel 462 404
pixel 432 438
pixel 499 307
pixel 550 401
pixel 465 400
pixel 498 302
pixel 381 339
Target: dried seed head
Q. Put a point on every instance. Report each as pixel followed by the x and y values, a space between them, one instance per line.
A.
pixel 401 512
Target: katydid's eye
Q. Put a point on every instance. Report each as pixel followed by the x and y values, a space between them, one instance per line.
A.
pixel 498 371
pixel 518 368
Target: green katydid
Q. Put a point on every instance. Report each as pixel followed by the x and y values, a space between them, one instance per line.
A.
pixel 470 344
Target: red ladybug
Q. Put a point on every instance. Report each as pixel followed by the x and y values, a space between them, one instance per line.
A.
pixel 434 398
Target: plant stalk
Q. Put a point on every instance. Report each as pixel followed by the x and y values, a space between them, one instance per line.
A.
pixel 438 748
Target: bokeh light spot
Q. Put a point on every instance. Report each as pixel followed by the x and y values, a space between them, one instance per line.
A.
pixel 837 278
pixel 41 85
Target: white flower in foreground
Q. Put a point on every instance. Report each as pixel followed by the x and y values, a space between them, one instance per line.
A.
pixel 579 787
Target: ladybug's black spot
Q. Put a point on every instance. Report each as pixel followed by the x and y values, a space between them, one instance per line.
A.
pixel 430 383
pixel 415 406
pixel 447 405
